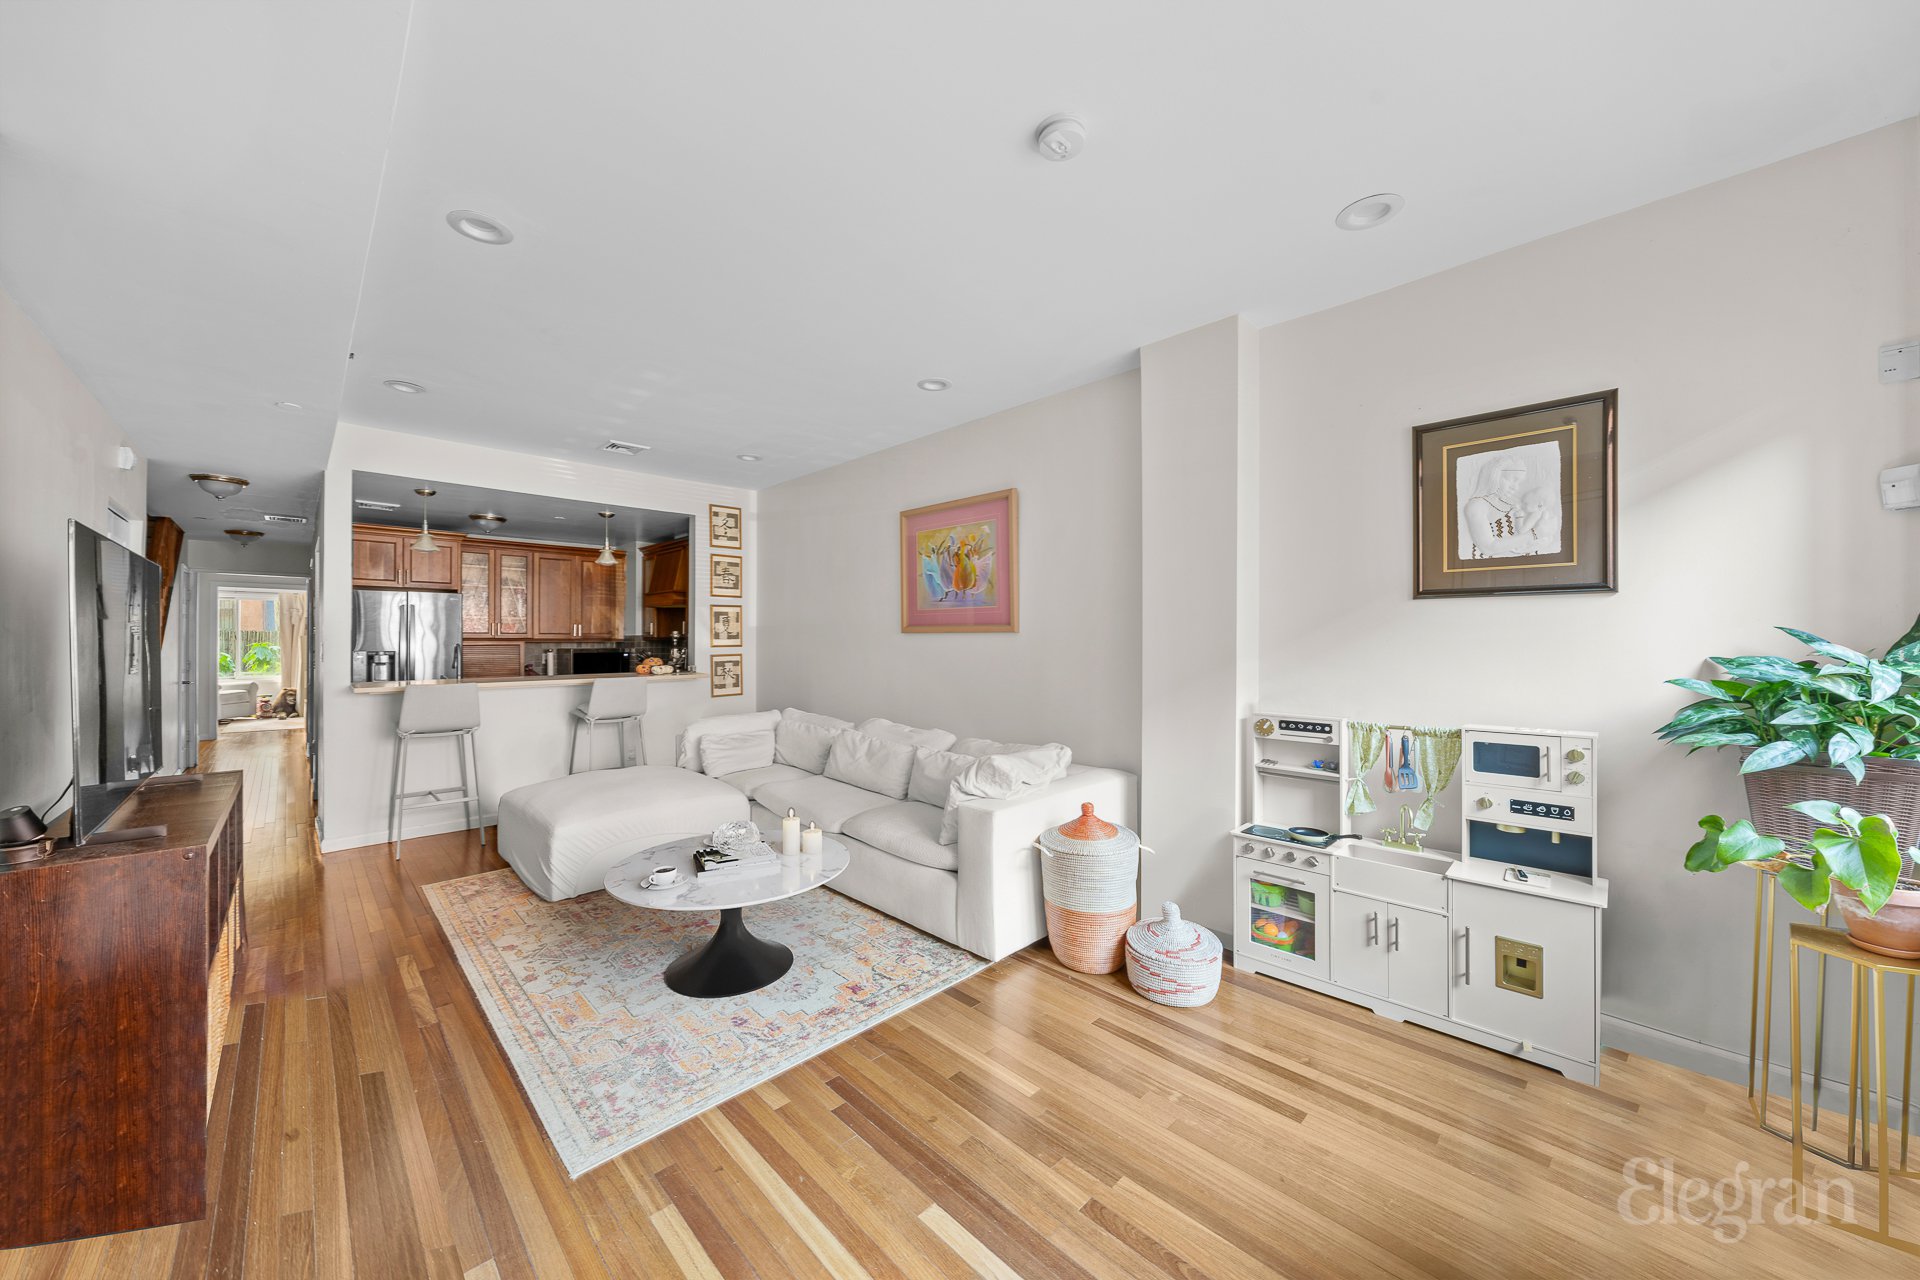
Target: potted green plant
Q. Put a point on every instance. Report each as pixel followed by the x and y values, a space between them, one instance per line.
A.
pixel 1812 735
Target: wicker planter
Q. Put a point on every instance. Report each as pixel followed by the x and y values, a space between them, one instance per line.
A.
pixel 1891 787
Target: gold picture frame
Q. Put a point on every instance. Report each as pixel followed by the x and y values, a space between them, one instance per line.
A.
pixel 727 576
pixel 726 626
pixel 960 565
pixel 724 529
pixel 729 675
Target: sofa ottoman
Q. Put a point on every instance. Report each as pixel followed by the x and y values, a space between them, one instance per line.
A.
pixel 563 835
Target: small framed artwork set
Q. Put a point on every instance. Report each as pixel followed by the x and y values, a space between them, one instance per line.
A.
pixel 727 616
pixel 1517 502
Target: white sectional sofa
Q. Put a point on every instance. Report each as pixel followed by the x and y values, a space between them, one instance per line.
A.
pixel 981 891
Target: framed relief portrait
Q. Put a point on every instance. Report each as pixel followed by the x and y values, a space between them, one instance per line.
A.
pixel 1517 502
pixel 727 575
pixel 723 528
pixel 960 565
pixel 726 626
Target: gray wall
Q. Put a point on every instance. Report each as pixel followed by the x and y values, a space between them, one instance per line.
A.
pixel 829 585
pixel 1740 322
pixel 57 449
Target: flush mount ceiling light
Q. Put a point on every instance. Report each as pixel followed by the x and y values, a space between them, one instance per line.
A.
pixel 288 405
pixel 486 521
pixel 477 226
pixel 1060 137
pixel 747 457
pixel 425 541
pixel 404 388
pixel 1368 212
pixel 933 384
pixel 606 540
pixel 624 447
pixel 244 537
pixel 221 487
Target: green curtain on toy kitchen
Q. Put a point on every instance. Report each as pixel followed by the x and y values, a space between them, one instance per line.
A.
pixel 1368 741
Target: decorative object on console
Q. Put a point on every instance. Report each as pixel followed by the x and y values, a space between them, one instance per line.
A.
pixel 724 530
pixel 1516 502
pixel 959 565
pixel 1173 961
pixel 23 836
pixel 1088 872
pixel 735 836
pixel 729 675
pixel 727 574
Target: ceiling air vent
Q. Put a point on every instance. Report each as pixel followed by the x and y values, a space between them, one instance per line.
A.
pixel 272 518
pixel 368 504
pixel 622 447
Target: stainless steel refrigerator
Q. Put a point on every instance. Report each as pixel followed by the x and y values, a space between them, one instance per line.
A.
pixel 406 635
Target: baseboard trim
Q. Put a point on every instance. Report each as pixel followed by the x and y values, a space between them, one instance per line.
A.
pixel 416 829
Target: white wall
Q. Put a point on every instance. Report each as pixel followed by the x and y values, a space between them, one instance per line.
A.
pixel 521 728
pixel 267 556
pixel 828 551
pixel 1740 323
pixel 57 448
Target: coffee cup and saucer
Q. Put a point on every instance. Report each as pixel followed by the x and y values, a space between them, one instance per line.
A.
pixel 664 877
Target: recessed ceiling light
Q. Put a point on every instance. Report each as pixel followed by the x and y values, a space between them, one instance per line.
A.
pixel 933 384
pixel 1368 212
pixel 477 226
pixel 559 517
pixel 288 405
pixel 747 457
pixel 404 388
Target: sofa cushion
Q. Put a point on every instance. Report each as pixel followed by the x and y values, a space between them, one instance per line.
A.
pixel 564 834
pixel 802 743
pixel 873 764
pixel 988 747
pixel 749 722
pixel 753 781
pixel 822 800
pixel 933 774
pixel 798 716
pixel 735 752
pixel 909 830
pixel 997 777
pixel 938 739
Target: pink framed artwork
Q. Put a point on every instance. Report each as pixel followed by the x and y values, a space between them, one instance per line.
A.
pixel 960 565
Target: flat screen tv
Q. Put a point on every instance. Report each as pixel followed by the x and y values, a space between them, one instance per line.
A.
pixel 115 628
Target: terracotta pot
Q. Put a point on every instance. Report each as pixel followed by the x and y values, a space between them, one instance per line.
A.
pixel 1894 931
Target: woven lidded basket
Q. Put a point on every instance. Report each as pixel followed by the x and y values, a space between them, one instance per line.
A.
pixel 1173 961
pixel 1088 868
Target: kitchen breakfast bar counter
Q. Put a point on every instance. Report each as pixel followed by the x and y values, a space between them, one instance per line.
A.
pixel 525 736
pixel 528 682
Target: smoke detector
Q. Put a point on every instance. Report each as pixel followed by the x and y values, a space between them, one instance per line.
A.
pixel 1060 137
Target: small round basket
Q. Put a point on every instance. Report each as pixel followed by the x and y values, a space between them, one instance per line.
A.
pixel 1173 961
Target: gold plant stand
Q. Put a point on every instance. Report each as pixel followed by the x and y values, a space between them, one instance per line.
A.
pixel 1867 1034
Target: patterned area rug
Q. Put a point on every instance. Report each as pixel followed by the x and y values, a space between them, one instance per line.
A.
pixel 610 1057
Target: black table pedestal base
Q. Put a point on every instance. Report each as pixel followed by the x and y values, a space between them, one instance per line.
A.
pixel 731 963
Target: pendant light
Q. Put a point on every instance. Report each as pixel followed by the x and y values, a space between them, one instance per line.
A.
pixel 606 540
pixel 221 487
pixel 425 541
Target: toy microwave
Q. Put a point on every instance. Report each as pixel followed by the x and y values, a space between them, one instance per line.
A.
pixel 1527 760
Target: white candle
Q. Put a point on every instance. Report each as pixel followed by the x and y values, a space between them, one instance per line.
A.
pixel 790 834
pixel 810 840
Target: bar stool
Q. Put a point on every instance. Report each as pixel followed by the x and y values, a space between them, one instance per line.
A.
pixel 437 711
pixel 622 702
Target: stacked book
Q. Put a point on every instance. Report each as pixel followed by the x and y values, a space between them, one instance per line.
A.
pixel 710 864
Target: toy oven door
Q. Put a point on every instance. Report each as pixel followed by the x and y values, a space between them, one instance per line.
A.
pixel 1277 915
pixel 1511 761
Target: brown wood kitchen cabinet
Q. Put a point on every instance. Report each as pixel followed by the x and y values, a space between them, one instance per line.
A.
pixel 576 599
pixel 664 567
pixel 384 557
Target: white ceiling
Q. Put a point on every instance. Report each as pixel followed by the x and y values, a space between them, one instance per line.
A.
pixel 752 227
pixel 530 517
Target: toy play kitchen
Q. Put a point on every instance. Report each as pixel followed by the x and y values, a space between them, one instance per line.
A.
pixel 1497 942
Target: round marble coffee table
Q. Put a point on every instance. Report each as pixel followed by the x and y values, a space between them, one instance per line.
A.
pixel 733 961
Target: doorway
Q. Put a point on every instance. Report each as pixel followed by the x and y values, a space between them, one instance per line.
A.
pixel 260 657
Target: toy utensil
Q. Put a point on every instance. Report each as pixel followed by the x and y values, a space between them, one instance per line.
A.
pixel 1407 779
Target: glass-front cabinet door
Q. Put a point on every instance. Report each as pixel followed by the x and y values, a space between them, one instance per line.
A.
pixel 476 592
pixel 512 606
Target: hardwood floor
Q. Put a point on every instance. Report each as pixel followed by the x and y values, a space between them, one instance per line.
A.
pixel 1029 1122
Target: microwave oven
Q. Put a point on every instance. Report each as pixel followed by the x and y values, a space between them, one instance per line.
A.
pixel 1527 760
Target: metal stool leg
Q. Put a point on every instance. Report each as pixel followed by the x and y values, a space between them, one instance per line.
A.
pixel 466 783
pixel 479 809
pixel 573 752
pixel 593 744
pixel 399 792
pixel 393 804
pixel 623 744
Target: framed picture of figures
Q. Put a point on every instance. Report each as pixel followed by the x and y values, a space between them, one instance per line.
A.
pixel 726 575
pixel 1517 502
pixel 723 528
pixel 726 626
pixel 960 565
